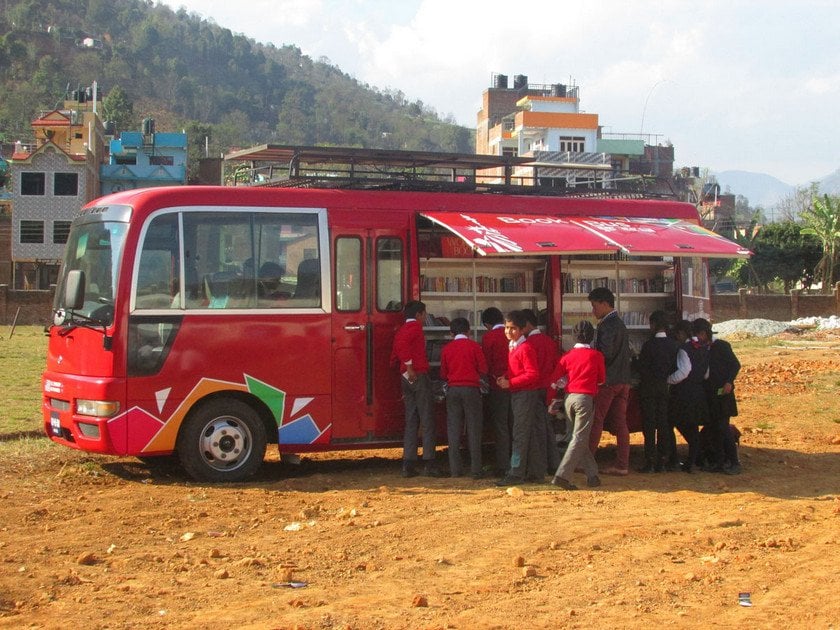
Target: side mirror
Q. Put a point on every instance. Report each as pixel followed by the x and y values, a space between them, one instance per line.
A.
pixel 74 290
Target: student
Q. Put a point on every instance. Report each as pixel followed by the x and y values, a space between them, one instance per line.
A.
pixel 657 361
pixel 462 365
pixel 497 414
pixel 720 392
pixel 613 341
pixel 688 407
pixel 409 352
pixel 585 369
pixel 545 442
pixel 523 381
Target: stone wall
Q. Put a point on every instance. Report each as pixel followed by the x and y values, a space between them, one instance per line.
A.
pixel 781 308
pixel 31 307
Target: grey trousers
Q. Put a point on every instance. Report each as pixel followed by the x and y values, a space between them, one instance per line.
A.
pixel 497 415
pixel 581 411
pixel 418 400
pixel 525 407
pixel 463 407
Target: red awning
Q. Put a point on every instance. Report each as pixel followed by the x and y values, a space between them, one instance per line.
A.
pixel 522 234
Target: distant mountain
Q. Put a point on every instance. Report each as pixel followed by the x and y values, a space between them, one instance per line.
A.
pixel 761 189
pixel 830 184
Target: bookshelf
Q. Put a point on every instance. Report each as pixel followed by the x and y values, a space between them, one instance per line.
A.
pixel 641 286
pixel 464 287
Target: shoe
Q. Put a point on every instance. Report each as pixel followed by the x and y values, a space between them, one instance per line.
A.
pixel 686 468
pixel 508 481
pixel 408 470
pixel 647 468
pixel 478 475
pixel 734 469
pixel 563 484
pixel 594 481
pixel 540 479
pixel 612 470
pixel 672 466
pixel 431 470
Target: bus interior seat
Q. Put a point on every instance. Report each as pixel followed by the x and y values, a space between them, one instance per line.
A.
pixel 269 281
pixel 218 288
pixel 308 279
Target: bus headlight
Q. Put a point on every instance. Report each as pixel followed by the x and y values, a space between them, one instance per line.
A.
pixel 97 408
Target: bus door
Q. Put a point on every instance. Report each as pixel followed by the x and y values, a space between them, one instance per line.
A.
pixel 370 273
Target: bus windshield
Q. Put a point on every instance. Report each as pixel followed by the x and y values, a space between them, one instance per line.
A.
pixel 95 249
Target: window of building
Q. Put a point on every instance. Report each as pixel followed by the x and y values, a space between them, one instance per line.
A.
pixel 573 144
pixel 128 160
pixel 509 151
pixel 32 183
pixel 61 230
pixel 66 184
pixel 31 231
pixel 161 160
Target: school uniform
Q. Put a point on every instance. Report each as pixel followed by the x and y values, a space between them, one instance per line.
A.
pixel 410 349
pixel 497 413
pixel 723 368
pixel 657 360
pixel 688 406
pixel 524 378
pixel 545 444
pixel 585 369
pixel 462 364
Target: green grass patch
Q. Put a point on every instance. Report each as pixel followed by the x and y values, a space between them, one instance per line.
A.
pixel 22 360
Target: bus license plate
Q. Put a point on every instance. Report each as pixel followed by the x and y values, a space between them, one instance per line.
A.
pixel 55 423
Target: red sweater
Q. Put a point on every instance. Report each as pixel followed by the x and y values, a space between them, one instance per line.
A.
pixel 495 346
pixel 462 363
pixel 585 368
pixel 410 345
pixel 523 369
pixel 546 350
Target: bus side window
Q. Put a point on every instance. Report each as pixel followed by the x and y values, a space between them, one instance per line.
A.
pixel 157 273
pixel 348 270
pixel 389 274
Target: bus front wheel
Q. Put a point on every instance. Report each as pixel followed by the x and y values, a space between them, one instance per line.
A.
pixel 223 440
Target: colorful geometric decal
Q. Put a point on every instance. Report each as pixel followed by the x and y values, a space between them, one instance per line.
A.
pixel 149 434
pixel 300 431
pixel 144 427
pixel 273 398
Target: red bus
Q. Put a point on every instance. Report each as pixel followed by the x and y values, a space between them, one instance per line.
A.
pixel 211 321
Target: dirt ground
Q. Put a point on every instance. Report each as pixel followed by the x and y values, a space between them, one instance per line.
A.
pixel 101 542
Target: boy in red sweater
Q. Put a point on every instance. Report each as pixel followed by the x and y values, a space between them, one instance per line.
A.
pixel 462 365
pixel 585 369
pixel 523 381
pixel 410 353
pixel 497 402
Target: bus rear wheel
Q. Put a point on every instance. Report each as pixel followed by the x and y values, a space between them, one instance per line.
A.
pixel 223 440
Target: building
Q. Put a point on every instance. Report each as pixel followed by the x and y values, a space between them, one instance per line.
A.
pixel 142 159
pixel 545 122
pixel 51 180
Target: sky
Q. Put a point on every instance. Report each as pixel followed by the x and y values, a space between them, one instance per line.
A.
pixel 734 85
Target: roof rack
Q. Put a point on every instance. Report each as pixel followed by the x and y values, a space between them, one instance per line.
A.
pixel 288 166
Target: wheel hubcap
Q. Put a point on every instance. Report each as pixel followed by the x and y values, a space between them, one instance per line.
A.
pixel 225 443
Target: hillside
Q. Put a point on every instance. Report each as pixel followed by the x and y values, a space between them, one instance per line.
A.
pixel 189 73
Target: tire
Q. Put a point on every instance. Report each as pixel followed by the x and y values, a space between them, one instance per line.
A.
pixel 223 440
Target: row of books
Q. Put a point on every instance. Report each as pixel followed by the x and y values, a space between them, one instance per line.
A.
pixel 630 318
pixel 514 283
pixel 658 284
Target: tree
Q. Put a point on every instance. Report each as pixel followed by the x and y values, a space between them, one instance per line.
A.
pixel 781 251
pixel 823 221
pixel 791 206
pixel 118 108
